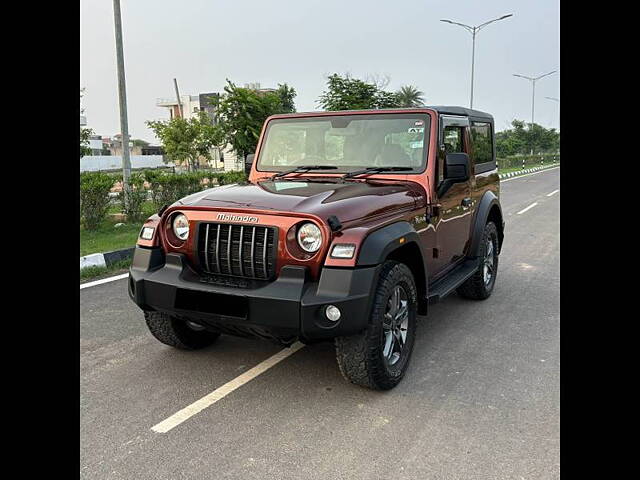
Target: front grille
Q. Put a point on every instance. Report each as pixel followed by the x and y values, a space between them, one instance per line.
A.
pixel 247 251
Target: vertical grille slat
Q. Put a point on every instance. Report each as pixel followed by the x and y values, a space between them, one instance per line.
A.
pixel 206 248
pixel 253 248
pixel 264 251
pixel 254 256
pixel 217 250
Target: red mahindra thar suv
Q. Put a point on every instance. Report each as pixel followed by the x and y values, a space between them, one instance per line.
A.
pixel 350 224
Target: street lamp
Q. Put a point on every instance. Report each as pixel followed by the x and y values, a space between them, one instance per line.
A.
pixel 533 81
pixel 556 100
pixel 473 30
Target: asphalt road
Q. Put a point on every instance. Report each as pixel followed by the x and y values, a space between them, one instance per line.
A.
pixel 480 399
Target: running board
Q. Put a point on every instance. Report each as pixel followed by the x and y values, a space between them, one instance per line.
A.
pixel 452 280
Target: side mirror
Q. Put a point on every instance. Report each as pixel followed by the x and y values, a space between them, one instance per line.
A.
pixel 456 170
pixel 456 167
pixel 248 162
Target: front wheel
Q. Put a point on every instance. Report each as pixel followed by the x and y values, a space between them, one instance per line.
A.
pixel 378 357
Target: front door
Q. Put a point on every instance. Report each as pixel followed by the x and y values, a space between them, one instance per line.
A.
pixel 453 223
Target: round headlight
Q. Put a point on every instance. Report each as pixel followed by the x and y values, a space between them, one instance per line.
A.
pixel 181 226
pixel 309 237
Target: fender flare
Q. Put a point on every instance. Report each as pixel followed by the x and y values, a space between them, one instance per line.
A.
pixel 489 201
pixel 379 244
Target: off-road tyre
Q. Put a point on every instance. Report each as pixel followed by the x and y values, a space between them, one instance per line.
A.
pixel 475 286
pixel 360 357
pixel 176 333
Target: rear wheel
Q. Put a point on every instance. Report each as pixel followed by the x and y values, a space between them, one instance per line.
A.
pixel 480 285
pixel 178 333
pixel 378 357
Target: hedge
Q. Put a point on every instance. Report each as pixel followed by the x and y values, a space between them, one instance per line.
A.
pixel 166 188
pixel 94 197
pixel 529 160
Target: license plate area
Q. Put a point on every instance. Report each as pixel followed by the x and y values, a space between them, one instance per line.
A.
pixel 212 303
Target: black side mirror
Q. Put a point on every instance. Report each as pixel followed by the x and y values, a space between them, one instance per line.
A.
pixel 248 162
pixel 456 170
pixel 456 167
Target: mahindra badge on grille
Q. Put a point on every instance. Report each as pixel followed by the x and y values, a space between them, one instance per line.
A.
pixel 227 217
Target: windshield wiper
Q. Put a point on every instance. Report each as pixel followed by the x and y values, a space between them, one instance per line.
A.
pixel 376 170
pixel 304 168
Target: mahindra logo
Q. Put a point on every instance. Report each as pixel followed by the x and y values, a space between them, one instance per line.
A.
pixel 227 217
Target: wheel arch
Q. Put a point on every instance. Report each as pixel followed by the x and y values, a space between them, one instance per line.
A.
pixel 400 242
pixel 488 210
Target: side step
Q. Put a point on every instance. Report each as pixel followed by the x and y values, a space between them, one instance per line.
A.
pixel 452 280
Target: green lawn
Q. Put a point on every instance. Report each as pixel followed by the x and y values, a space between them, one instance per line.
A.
pixel 95 273
pixel 108 237
pixel 517 169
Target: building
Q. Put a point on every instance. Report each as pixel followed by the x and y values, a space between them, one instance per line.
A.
pixel 206 102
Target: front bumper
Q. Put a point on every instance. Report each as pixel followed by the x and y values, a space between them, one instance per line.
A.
pixel 288 308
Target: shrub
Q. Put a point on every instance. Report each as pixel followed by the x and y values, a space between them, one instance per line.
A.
pixel 94 197
pixel 166 188
pixel 232 177
pixel 529 160
pixel 137 197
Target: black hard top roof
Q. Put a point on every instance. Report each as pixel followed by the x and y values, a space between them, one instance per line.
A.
pixel 467 112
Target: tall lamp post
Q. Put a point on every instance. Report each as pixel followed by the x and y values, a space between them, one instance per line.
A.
pixel 556 100
pixel 533 81
pixel 473 30
pixel 122 95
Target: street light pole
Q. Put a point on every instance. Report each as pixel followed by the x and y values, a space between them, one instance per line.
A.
pixel 533 81
pixel 473 30
pixel 556 100
pixel 122 94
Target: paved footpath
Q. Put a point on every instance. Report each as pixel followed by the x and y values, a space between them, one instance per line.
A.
pixel 479 401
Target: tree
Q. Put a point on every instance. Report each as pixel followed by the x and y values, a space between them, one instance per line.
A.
pixel 186 140
pixel 85 133
pixel 346 93
pixel 242 112
pixel 525 137
pixel 410 96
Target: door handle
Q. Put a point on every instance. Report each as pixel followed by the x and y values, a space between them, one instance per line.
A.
pixel 466 202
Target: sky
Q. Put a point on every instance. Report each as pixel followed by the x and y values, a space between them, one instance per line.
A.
pixel 300 42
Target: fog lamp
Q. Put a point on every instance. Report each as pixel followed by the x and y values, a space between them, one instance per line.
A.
pixel 332 312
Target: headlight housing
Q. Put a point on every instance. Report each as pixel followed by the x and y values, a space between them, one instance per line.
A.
pixel 309 237
pixel 181 227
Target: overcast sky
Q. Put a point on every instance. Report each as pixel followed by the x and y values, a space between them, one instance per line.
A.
pixel 203 42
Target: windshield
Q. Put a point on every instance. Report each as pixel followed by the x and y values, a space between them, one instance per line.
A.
pixel 348 142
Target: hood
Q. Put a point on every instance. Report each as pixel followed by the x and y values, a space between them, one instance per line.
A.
pixel 348 201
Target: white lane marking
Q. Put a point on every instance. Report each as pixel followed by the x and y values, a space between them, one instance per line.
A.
pixel 555 191
pixel 219 393
pixel 103 280
pixel 528 174
pixel 525 209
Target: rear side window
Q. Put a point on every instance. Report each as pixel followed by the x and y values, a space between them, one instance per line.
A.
pixel 482 139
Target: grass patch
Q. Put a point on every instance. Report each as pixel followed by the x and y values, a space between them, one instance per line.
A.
pixel 519 169
pixel 95 273
pixel 107 237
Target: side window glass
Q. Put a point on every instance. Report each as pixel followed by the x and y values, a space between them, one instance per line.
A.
pixel 482 142
pixel 453 140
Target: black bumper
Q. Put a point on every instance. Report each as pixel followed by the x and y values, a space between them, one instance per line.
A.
pixel 288 308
